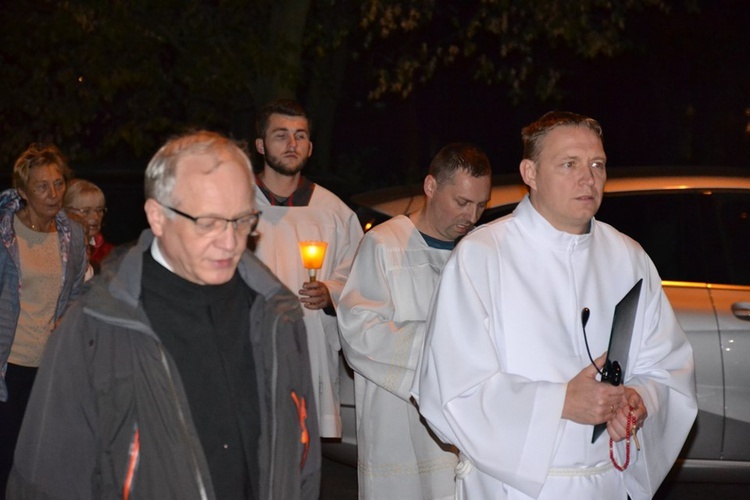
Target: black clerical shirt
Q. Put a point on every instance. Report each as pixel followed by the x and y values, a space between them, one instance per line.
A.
pixel 205 328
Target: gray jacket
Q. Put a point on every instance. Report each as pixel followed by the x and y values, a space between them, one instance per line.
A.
pixel 109 418
pixel 72 257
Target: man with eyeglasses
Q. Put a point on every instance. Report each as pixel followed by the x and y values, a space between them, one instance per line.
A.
pixel 296 209
pixel 183 372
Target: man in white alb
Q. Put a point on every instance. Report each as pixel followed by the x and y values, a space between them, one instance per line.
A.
pixel 382 315
pixel 296 209
pixel 505 375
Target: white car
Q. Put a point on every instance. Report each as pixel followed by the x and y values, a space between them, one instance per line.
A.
pixel 695 225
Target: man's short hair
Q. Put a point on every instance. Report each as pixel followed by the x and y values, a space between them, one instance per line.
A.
pixel 162 169
pixel 533 134
pixel 459 156
pixel 286 107
pixel 38 155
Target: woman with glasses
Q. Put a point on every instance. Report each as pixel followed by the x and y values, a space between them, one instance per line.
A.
pixel 42 265
pixel 84 202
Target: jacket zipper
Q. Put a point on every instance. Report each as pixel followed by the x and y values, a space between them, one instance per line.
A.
pixel 274 382
pixel 193 459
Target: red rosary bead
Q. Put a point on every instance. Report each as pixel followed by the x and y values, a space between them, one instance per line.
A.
pixel 630 426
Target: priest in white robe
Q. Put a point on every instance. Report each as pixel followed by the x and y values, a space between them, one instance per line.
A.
pixel 382 316
pixel 505 374
pixel 294 209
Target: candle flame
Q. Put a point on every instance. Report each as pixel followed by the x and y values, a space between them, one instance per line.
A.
pixel 313 253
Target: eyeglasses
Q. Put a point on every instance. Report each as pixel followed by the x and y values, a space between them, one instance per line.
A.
pixel 213 226
pixel 100 211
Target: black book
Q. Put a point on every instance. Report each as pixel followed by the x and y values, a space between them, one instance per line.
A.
pixel 619 343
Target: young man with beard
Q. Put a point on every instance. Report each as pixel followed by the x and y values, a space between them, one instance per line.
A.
pixel 294 210
pixel 383 313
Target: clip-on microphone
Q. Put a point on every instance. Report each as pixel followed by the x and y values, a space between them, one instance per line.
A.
pixel 611 371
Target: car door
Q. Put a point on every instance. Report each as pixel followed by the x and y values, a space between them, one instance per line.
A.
pixel 728 231
pixel 667 224
pixel 733 312
pixel 695 312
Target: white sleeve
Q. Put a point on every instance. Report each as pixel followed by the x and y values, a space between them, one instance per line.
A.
pixel 348 236
pixel 505 424
pixel 379 343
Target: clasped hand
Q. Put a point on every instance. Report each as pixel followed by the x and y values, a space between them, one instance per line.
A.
pixel 588 401
pixel 631 402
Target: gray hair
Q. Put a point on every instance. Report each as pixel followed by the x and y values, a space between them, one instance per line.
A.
pixel 162 169
pixel 78 187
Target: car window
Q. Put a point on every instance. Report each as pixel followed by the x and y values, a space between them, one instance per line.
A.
pixel 666 225
pixel 369 218
pixel 495 213
pixel 731 218
pixel 694 236
pixel 698 236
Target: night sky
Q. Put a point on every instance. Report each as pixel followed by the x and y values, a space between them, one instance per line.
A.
pixel 679 96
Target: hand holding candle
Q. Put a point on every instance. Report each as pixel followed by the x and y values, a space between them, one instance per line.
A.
pixel 313 253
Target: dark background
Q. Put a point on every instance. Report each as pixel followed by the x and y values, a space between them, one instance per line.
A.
pixel 679 96
pixel 678 93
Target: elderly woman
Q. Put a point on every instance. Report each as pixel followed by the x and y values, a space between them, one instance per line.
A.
pixel 42 265
pixel 84 202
